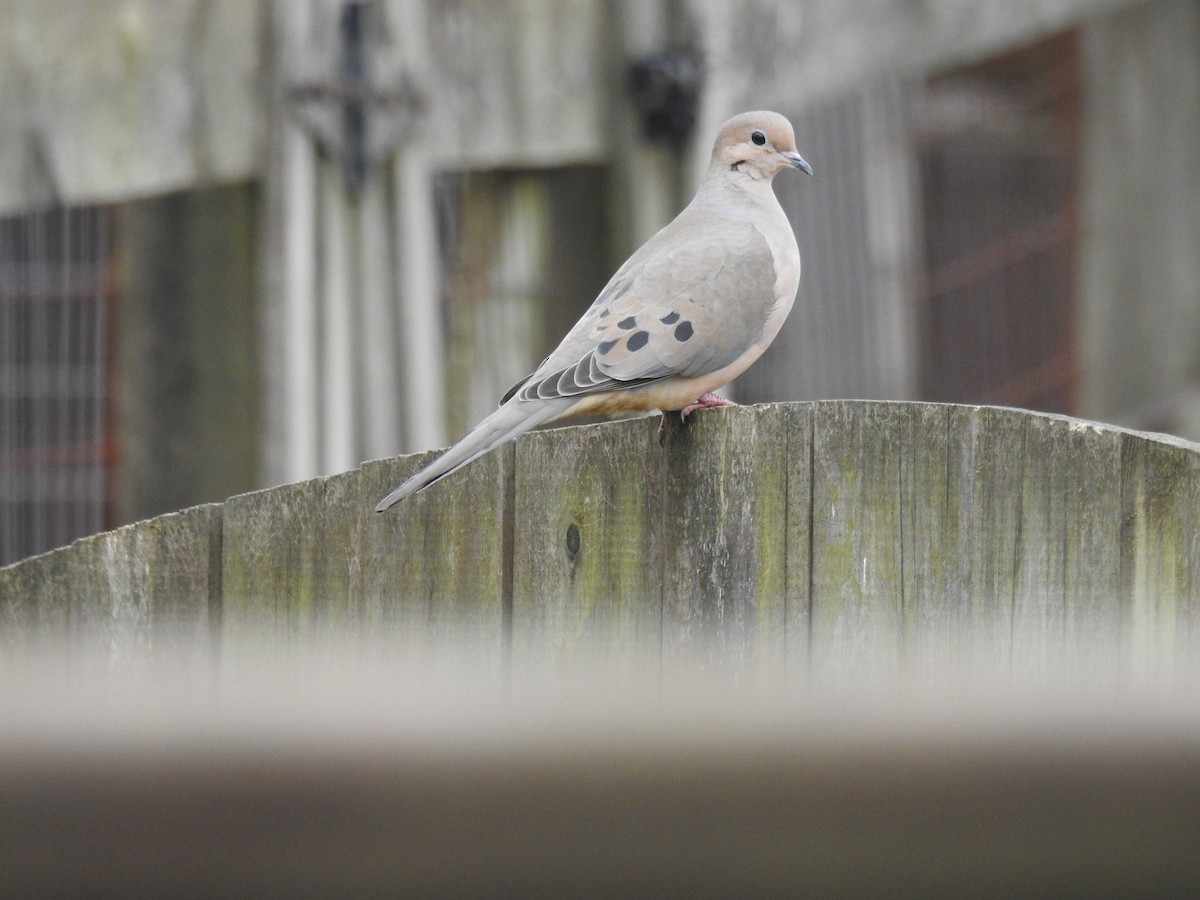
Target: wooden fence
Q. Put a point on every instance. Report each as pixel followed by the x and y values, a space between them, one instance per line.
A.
pixel 787 540
pixel 797 545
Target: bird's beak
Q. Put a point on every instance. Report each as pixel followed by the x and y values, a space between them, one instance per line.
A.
pixel 797 160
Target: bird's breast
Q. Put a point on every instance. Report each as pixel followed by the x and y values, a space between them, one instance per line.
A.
pixel 785 254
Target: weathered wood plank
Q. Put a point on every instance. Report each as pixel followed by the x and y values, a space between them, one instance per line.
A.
pixel 991 544
pixel 684 546
pixel 728 489
pixel 933 565
pixel 857 572
pixel 189 341
pixel 136 596
pixel 987 463
pixel 588 551
pixel 434 570
pixel 799 524
pixel 1160 557
pixel 311 563
pixel 290 559
pixel 1066 612
pixel 156 582
pixel 35 601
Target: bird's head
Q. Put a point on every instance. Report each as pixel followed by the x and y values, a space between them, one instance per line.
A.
pixel 758 144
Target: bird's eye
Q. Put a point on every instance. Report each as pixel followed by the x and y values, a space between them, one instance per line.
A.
pixel 759 138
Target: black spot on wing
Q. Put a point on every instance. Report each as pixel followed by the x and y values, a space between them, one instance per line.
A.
pixel 637 341
pixel 604 346
pixel 627 323
pixel 670 318
pixel 684 332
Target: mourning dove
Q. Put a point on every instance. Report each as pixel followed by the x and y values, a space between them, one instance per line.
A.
pixel 685 315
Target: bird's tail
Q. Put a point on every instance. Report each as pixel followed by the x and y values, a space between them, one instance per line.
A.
pixel 513 418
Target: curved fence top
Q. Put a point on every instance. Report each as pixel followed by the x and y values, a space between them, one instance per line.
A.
pixel 789 540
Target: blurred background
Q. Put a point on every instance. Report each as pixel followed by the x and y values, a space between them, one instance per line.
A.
pixel 246 242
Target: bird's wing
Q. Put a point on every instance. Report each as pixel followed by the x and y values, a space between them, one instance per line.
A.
pixel 689 302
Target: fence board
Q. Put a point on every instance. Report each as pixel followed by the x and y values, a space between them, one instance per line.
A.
pixel 1066 613
pixel 1160 594
pixel 35 600
pixel 857 573
pixel 143 591
pixel 727 542
pixel 435 570
pixel 289 557
pixel 153 583
pixel 931 541
pixel 297 570
pixel 587 550
pixel 989 466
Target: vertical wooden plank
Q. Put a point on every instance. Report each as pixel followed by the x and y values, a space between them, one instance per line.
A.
pixel 588 550
pixel 435 570
pixel 799 524
pixel 1139 273
pixel 131 599
pixel 155 582
pixel 857 575
pixel 35 604
pixel 493 304
pixel 291 557
pixel 1160 558
pixel 1087 466
pixel 1039 613
pixel 931 549
pixel 1065 606
pixel 987 463
pixel 725 540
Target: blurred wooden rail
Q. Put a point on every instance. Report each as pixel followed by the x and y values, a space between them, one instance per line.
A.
pixel 793 539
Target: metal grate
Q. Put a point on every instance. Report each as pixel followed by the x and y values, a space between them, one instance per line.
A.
pixel 56 294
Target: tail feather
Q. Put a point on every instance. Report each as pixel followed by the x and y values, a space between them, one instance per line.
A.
pixel 510 420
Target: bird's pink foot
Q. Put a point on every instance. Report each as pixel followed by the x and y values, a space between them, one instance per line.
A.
pixel 704 400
